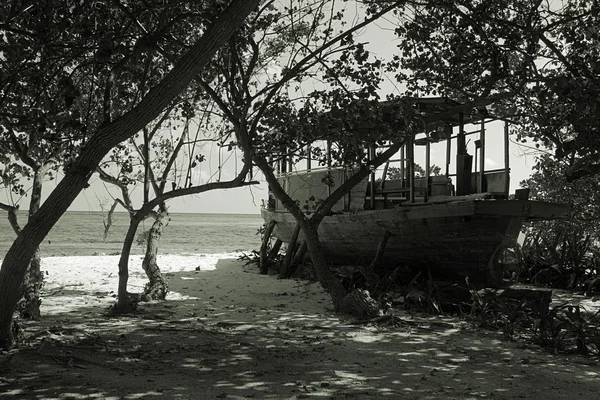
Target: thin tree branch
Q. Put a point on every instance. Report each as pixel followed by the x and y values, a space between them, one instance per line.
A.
pixel 12 216
pixel 126 202
pixel 291 73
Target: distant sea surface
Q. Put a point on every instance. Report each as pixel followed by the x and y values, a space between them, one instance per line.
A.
pixel 81 234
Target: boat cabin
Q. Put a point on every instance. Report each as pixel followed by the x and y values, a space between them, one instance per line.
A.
pixel 402 181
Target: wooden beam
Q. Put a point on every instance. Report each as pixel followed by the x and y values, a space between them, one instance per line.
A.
pixel 263 260
pixel 383 181
pixel 427 167
pixel 298 259
pixel 506 160
pixel 411 169
pixel 275 249
pixel 482 157
pixel 402 163
pixel 463 176
pixel 372 178
pixel 329 165
pixel 461 146
pixel 289 252
pixel 448 153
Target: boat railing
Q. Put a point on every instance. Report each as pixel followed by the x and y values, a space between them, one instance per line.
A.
pixel 388 192
pixel 308 188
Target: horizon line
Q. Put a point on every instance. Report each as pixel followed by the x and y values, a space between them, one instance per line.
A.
pixel 174 212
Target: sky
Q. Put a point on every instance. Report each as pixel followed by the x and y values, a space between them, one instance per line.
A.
pixel 248 200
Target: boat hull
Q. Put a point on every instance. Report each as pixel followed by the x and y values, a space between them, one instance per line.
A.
pixel 454 238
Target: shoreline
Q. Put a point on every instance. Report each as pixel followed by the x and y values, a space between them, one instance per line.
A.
pixel 25 212
pixel 99 251
pixel 82 234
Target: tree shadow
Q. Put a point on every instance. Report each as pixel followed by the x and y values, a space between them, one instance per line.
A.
pixel 208 347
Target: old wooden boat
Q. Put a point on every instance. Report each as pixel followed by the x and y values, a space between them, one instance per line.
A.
pixel 455 223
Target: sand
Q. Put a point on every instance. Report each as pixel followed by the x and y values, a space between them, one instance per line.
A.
pixel 79 281
pixel 228 332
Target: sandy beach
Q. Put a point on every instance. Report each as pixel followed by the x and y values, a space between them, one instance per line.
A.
pixel 228 332
pixel 73 282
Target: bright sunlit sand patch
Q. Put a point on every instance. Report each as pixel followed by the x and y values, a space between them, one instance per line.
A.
pixel 364 337
pixel 75 282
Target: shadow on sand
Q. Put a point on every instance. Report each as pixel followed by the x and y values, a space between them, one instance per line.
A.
pixel 238 335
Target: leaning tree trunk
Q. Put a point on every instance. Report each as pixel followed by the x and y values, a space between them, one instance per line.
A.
pixel 358 302
pixel 156 288
pixel 109 135
pixel 125 302
pixel 29 305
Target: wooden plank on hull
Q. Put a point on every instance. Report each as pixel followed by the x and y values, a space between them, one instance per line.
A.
pixel 530 209
pixel 442 210
pixel 502 207
pixel 455 238
pixel 546 210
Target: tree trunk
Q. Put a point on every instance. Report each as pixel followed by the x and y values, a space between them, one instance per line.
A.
pixel 29 305
pixel 109 220
pixel 326 277
pixel 125 303
pixel 12 217
pixel 76 178
pixel 358 302
pixel 156 288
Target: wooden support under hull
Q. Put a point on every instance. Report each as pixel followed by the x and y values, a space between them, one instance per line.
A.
pixel 263 248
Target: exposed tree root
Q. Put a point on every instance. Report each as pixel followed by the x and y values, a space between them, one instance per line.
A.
pixel 360 304
pixel 126 307
pixel 156 290
pixel 29 305
pixel 384 321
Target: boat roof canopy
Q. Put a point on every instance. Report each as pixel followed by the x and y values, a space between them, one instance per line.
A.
pixel 440 105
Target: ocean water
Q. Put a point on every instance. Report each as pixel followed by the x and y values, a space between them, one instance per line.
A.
pixel 81 234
